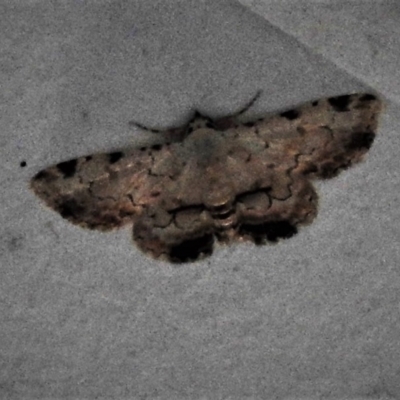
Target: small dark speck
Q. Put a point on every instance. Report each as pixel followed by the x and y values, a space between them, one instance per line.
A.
pixel 367 97
pixel 68 168
pixel 340 103
pixel 143 149
pixel 116 156
pixel 88 158
pixel 209 125
pixel 291 114
pixel 22 164
pixel 314 103
pixel 156 147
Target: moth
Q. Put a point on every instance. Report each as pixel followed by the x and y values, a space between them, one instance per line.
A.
pixel 221 180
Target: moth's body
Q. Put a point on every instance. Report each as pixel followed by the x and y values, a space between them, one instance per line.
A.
pixel 245 181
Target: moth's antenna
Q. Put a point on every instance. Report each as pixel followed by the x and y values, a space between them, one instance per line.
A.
pixel 248 105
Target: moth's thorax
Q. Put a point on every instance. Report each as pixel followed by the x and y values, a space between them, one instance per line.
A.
pixel 205 145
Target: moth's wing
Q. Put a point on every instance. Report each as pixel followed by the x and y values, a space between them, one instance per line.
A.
pixel 102 191
pixel 264 218
pixel 178 236
pixel 324 136
pixel 283 151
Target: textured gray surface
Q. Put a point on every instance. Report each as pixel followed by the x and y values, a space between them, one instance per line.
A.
pixel 86 315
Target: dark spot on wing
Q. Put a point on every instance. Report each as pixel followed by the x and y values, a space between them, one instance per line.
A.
pixel 156 147
pixel 70 209
pixel 361 140
pixel 143 149
pixel 125 213
pixel 22 164
pixel 116 156
pixel 279 229
pixel 367 97
pixel 301 130
pixel 249 124
pixel 67 168
pixel 291 114
pixel 88 158
pixel 41 175
pixel 314 103
pixel 103 220
pixel 270 231
pixel 340 103
pixel 340 159
pixel 310 169
pixel 190 250
pixel 328 170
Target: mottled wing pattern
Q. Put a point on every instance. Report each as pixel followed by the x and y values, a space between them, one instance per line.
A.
pixel 102 191
pixel 225 181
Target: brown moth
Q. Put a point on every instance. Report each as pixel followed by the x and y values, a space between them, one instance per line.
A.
pixel 223 180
